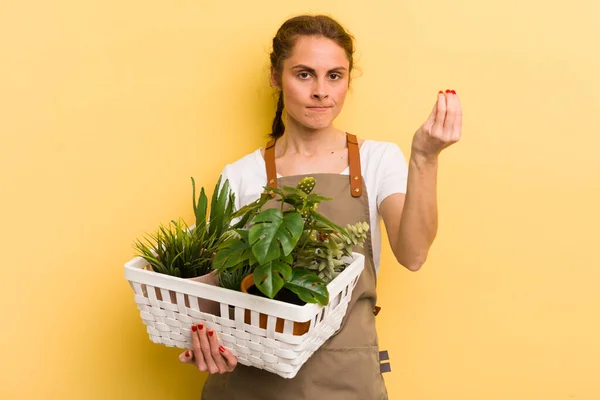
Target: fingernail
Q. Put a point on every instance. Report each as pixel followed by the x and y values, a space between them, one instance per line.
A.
pixel 222 349
pixel 187 354
pixel 453 92
pixel 441 92
pixel 210 333
pixel 448 91
pixel 200 327
pixel 194 328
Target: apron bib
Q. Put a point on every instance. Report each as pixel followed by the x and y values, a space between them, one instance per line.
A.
pixel 347 366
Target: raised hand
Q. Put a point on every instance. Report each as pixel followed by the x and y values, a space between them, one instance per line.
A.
pixel 442 128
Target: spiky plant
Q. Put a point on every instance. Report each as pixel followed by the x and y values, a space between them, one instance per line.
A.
pixel 175 250
pixel 185 252
pixel 233 279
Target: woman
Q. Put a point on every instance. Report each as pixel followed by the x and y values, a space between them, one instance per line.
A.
pixel 311 63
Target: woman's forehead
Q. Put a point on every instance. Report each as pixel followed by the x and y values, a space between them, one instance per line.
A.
pixel 317 53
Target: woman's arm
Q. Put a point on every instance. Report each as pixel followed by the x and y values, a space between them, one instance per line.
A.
pixel 411 220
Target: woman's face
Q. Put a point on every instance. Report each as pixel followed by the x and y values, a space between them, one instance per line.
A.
pixel 314 81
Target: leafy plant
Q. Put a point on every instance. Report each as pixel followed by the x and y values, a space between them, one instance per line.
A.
pixel 292 246
pixel 185 252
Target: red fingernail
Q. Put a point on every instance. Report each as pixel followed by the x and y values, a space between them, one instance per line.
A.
pixel 210 333
pixel 441 92
pixel 448 91
pixel 453 92
pixel 187 354
pixel 222 349
pixel 200 327
pixel 194 328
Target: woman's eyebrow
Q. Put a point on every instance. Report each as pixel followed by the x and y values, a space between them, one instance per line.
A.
pixel 311 70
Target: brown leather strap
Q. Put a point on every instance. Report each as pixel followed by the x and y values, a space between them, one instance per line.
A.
pixel 354 162
pixel 270 162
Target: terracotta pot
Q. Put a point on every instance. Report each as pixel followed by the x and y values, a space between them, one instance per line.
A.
pixel 300 328
pixel 207 306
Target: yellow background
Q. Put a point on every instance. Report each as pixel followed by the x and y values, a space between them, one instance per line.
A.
pixel 108 107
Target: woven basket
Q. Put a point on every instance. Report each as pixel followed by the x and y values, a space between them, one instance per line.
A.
pixel 169 322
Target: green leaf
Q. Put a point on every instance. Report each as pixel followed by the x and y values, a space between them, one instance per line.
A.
pixel 233 253
pixel 326 222
pixel 269 278
pixel 273 232
pixel 218 207
pixel 294 191
pixel 248 211
pixel 200 206
pixel 315 198
pixel 308 286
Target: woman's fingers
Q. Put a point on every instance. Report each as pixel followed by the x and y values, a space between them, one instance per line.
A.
pixel 450 116
pixel 216 354
pixel 457 131
pixel 198 355
pixel 431 119
pixel 207 354
pixel 187 357
pixel 440 115
pixel 230 359
pixel 205 347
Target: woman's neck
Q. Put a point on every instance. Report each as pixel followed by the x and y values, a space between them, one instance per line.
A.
pixel 310 143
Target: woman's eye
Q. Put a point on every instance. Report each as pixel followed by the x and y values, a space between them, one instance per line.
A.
pixel 335 76
pixel 303 75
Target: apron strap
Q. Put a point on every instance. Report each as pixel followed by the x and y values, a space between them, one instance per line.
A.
pixel 353 161
pixel 270 163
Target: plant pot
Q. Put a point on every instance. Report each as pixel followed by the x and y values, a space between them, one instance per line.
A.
pixel 300 328
pixel 205 305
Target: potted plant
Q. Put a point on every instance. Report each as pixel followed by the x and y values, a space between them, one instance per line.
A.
pixel 290 253
pixel 188 252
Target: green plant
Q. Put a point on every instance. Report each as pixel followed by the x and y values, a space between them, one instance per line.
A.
pixel 175 250
pixel 292 246
pixel 185 252
pixel 233 279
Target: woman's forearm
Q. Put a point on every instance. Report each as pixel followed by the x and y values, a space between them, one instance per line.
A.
pixel 419 221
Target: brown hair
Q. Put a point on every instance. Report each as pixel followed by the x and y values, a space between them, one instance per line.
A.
pixel 283 45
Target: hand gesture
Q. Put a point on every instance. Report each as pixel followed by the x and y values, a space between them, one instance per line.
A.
pixel 442 128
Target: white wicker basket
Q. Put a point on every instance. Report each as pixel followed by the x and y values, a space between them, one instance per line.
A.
pixel 237 327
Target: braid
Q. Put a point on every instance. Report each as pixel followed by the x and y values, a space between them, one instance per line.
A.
pixel 278 126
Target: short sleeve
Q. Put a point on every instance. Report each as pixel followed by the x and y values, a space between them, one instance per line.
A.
pixel 227 175
pixel 392 173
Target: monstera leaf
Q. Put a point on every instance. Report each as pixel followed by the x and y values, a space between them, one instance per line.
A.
pixel 308 286
pixel 269 278
pixel 273 234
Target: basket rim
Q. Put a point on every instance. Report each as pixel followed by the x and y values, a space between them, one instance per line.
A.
pixel 135 272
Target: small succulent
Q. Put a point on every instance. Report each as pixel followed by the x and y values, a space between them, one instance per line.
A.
pixel 325 255
pixel 307 184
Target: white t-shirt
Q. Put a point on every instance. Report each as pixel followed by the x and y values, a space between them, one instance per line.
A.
pixel 383 166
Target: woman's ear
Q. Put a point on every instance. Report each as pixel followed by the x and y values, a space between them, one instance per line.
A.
pixel 275 79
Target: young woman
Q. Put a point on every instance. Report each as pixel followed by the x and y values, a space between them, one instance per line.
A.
pixel 311 63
